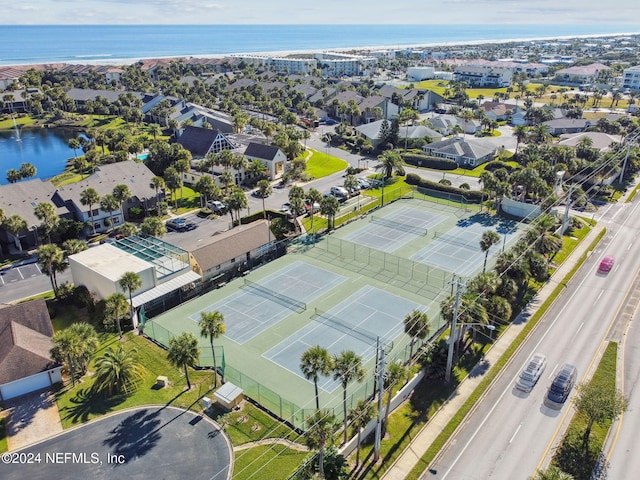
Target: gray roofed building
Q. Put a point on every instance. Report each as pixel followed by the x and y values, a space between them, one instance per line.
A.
pixel 566 125
pixel 464 151
pixel 25 344
pixel 231 249
pixel 200 141
pixel 601 141
pixel 272 157
pixel 135 175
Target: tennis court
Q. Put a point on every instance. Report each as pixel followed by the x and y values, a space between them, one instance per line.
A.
pixel 260 305
pixel 354 324
pixel 394 230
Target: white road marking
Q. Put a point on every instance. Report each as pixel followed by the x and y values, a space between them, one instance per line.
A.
pixel 552 371
pixel 515 433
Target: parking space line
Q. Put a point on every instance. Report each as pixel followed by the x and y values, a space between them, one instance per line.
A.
pixel 21 276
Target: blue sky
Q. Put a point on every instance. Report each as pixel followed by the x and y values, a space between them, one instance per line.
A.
pixel 87 12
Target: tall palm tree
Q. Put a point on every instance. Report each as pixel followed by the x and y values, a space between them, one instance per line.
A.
pixel 121 193
pixel 13 175
pixel 50 257
pixel 263 191
pixel 184 352
pixel 395 372
pixel 157 183
pixel 321 426
pixel 27 170
pixel 329 206
pixel 46 212
pixel 489 239
pixel 153 226
pixel 73 246
pixel 130 282
pixel 212 326
pixel 347 366
pixel 14 225
pixel 417 325
pixel 114 309
pixel 109 203
pixel 67 348
pixel 89 197
pixel 117 371
pixel 360 416
pixel 236 202
pixel 74 144
pixel 520 132
pixel 390 162
pixel 314 362
pixel 155 130
pixel 313 196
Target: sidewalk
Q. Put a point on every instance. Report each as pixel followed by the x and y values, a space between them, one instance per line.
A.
pixel 409 458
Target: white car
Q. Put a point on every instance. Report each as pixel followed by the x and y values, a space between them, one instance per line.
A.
pixel 363 183
pixel 531 373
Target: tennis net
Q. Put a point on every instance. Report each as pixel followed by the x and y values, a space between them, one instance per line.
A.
pixel 274 296
pixel 398 225
pixel 352 330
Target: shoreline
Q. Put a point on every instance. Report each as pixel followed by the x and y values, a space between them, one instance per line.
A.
pixel 371 48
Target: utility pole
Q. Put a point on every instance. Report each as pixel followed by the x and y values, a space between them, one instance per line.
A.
pixel 381 367
pixel 565 218
pixel 452 334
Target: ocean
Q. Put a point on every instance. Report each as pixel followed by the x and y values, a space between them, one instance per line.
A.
pixel 111 44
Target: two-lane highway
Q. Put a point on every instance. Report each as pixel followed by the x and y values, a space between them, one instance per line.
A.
pixel 510 432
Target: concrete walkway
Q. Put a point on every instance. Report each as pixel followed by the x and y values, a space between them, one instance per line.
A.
pixel 32 418
pixel 416 449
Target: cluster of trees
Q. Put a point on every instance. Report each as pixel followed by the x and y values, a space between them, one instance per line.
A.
pixel 25 172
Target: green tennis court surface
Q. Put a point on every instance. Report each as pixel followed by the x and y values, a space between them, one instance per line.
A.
pixel 339 294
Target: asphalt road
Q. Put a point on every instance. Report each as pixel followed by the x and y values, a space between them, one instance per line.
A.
pixel 146 443
pixel 511 433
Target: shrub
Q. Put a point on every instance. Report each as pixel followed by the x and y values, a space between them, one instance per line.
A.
pixel 494 165
pixel 470 195
pixel 420 160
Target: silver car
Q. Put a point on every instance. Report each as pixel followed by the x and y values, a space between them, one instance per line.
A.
pixel 531 373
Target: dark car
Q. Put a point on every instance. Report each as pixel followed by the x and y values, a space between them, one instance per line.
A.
pixel 562 384
pixel 190 226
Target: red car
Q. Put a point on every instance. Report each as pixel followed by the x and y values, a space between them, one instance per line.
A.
pixel 606 264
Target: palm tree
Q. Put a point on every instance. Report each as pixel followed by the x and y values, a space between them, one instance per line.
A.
pixel 14 225
pixel 67 348
pixel 360 416
pixel 489 239
pixel 89 197
pixel 329 206
pixel 127 229
pixel 257 169
pixel 109 203
pixel 321 426
pixel 157 183
pixel 314 362
pixel 13 175
pixel 212 326
pixel 417 325
pixel 390 162
pixel 27 170
pixel 237 201
pixel 395 372
pixel 347 366
pixel 117 371
pixel 50 259
pixel 184 352
pixel 182 166
pixel 130 281
pixel 264 190
pixel 153 226
pixel 121 193
pixel 73 246
pixel 46 212
pixel 551 473
pixel 155 130
pixel 313 197
pixel 115 306
pixel 74 144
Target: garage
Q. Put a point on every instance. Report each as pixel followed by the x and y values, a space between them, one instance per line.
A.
pixel 30 384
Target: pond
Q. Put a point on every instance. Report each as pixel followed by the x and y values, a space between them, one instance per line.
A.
pixel 46 149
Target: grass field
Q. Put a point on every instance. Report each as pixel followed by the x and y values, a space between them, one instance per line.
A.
pixel 3 435
pixel 320 164
pixel 274 462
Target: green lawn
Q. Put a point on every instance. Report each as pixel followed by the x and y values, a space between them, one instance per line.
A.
pixel 275 462
pixel 8 124
pixel 78 404
pixel 320 164
pixel 3 436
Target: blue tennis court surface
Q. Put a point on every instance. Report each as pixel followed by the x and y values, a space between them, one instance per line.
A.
pixel 458 250
pixel 252 310
pixel 394 230
pixel 353 324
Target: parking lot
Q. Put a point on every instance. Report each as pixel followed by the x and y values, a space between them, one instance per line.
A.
pixel 16 274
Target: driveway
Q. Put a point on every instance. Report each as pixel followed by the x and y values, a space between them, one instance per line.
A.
pixel 32 418
pixel 142 443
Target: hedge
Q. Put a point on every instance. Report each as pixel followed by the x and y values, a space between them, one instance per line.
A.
pixel 472 196
pixel 436 163
pixel 496 164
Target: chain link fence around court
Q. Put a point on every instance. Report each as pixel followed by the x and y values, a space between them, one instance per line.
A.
pixel 413 276
pixel 275 402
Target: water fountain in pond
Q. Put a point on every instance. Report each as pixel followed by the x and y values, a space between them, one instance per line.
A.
pixel 15 125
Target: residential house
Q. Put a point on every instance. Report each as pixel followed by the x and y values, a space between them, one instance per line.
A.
pixel 582 73
pixel 238 249
pixel 21 198
pixel 272 157
pixel 135 175
pixel 483 76
pixel 631 78
pixel 9 76
pixel 566 125
pixel 599 140
pixel 465 151
pixel 445 123
pixel 25 345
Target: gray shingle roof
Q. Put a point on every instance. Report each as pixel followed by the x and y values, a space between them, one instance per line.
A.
pixel 258 150
pixel 21 198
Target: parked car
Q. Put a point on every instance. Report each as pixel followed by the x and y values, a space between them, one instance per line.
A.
pixel 363 183
pixel 606 264
pixel 531 373
pixel 190 226
pixel 285 208
pixel 217 207
pixel 339 192
pixel 562 384
pixel 177 224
